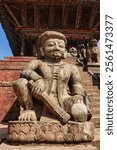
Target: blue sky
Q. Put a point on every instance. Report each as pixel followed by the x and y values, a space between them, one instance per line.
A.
pixel 4 45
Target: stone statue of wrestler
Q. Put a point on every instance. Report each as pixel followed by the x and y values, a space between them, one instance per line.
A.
pixel 54 76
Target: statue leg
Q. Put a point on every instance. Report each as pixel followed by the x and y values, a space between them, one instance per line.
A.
pixel 77 109
pixel 23 93
pixel 25 98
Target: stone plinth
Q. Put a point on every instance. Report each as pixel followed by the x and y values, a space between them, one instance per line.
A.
pixel 52 132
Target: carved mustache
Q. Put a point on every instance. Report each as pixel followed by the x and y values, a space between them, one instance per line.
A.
pixel 56 50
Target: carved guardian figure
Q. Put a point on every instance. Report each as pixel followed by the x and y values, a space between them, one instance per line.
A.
pixel 44 84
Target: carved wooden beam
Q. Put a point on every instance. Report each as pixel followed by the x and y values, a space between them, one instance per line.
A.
pixel 96 25
pixel 9 34
pixel 10 20
pixel 51 17
pixel 78 16
pixel 92 17
pixel 55 2
pixel 22 47
pixel 24 15
pixel 36 19
pixel 64 16
pixel 11 14
pixel 76 34
pixel 12 27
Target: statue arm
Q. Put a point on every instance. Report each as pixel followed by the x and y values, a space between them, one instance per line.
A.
pixel 29 71
pixel 75 82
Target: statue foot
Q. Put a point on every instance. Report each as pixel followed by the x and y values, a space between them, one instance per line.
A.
pixel 28 115
pixel 79 112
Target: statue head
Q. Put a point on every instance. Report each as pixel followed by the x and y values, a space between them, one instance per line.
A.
pixel 53 45
pixel 82 46
pixel 93 43
pixel 73 51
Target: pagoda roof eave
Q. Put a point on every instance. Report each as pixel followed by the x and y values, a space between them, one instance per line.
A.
pixel 55 2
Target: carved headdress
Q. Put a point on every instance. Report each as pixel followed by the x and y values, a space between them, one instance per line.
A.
pixel 51 34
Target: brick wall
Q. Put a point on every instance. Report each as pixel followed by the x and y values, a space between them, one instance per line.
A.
pixel 10 71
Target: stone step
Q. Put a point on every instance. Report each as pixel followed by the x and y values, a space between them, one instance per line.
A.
pixel 10 70
pixel 95 100
pixel 12 63
pixel 42 146
pixel 86 79
pixel 4 130
pixel 70 59
pixel 87 82
pixel 96 123
pixel 8 97
pixel 91 87
pixel 87 88
pixel 9 75
pixel 96 118
pixel 85 74
pixel 11 67
pixel 93 91
pixel 16 67
pixel 96 111
pixel 7 101
pixel 93 69
pixel 20 58
pixel 96 104
pixel 96 141
pixel 96 95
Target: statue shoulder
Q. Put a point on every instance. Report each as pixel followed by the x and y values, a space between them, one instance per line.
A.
pixel 39 62
pixel 33 64
pixel 72 68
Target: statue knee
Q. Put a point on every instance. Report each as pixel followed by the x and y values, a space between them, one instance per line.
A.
pixel 79 112
pixel 20 82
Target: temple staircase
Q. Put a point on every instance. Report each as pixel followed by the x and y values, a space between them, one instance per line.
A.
pixel 10 69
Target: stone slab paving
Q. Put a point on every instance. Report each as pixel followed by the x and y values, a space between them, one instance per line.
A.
pixel 5 146
pixel 3 130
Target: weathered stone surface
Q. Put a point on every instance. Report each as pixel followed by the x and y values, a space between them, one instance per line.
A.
pixel 55 84
pixel 5 146
pixel 36 132
pixel 93 52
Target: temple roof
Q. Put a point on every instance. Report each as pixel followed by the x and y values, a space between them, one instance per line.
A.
pixel 25 20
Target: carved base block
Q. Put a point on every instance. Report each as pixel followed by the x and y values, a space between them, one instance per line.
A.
pixel 54 132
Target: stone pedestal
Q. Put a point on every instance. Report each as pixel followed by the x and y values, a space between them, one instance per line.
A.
pixel 52 132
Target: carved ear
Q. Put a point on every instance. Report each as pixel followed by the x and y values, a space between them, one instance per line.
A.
pixel 42 51
pixel 65 54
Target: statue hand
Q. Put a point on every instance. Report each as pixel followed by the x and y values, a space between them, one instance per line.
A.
pixel 79 110
pixel 38 88
pixel 28 115
pixel 77 99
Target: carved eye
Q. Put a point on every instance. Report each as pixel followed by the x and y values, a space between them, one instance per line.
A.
pixel 61 45
pixel 51 44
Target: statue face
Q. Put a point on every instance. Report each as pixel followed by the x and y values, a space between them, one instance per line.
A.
pixel 54 49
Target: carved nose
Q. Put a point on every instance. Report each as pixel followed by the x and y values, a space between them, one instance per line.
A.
pixel 56 47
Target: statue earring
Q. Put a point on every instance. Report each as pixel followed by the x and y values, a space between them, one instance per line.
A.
pixel 42 52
